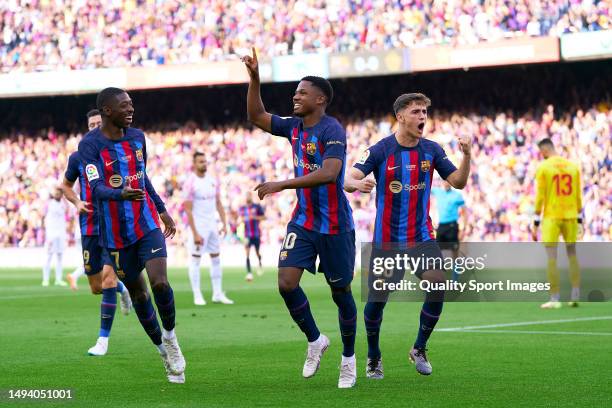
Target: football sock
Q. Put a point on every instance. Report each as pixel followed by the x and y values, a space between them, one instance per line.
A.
pixel 47 268
pixel 373 316
pixel 107 310
pixel 299 309
pixel 553 277
pixel 58 267
pixel 164 299
pixel 216 275
pixel 430 313
pixel 194 275
pixel 248 263
pixel 574 273
pixel 148 320
pixel 347 317
pixel 78 272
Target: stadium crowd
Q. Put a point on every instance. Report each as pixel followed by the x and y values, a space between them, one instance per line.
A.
pixel 39 35
pixel 499 196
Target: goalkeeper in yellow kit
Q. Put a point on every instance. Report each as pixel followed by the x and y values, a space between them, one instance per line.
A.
pixel 558 207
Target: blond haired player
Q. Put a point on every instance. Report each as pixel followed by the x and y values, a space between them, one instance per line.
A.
pixel 558 205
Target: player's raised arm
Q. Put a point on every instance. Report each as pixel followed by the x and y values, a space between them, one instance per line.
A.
pixel 458 179
pixel 256 112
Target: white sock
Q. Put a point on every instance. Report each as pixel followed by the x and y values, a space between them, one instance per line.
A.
pixel 168 334
pixel 161 349
pixel 216 275
pixel 78 272
pixel 58 267
pixel 312 343
pixel 103 340
pixel 47 267
pixel 194 276
pixel 348 359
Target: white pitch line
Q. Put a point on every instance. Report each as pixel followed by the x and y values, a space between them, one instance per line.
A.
pixel 493 326
pixel 536 332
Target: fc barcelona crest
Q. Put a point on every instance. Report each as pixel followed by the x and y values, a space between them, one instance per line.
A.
pixel 425 165
pixel 139 156
pixel 311 148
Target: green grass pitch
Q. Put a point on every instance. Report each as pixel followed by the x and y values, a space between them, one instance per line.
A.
pixel 250 354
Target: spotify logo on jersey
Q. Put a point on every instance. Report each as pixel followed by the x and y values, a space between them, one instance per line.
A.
pixel 395 186
pixel 115 180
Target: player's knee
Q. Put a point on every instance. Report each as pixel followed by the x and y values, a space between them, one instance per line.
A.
pixel 139 296
pixel 109 281
pixel 340 290
pixel 160 287
pixel 96 288
pixel 286 285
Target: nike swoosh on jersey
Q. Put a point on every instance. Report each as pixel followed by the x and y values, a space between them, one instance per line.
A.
pixel 335 280
pixel 155 250
pixel 393 168
pixel 110 163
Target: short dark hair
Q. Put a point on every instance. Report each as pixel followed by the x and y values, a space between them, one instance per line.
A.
pixel 105 95
pixel 196 154
pixel 406 99
pixel 546 142
pixel 93 112
pixel 323 84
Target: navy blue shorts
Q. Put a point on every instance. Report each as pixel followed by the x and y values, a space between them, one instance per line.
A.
pixel 94 256
pixel 336 253
pixel 128 262
pixel 253 241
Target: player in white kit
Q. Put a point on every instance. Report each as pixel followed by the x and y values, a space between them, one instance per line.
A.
pixel 55 237
pixel 202 202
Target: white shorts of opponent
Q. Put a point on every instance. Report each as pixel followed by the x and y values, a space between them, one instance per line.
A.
pixel 210 241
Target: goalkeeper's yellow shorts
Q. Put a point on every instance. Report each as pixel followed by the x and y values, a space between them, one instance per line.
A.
pixel 553 228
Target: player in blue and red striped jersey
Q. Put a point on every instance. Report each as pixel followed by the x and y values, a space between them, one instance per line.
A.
pixel 403 165
pixel 251 215
pixel 96 265
pixel 114 157
pixel 322 223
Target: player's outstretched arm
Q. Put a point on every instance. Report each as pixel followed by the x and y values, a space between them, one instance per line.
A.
pixel 458 179
pixel 355 181
pixel 325 175
pixel 256 111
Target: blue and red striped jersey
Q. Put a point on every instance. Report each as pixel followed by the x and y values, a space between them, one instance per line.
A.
pixel 325 208
pixel 109 166
pixel 87 221
pixel 403 187
pixel 250 214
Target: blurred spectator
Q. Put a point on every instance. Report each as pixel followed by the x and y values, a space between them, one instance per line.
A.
pixel 41 35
